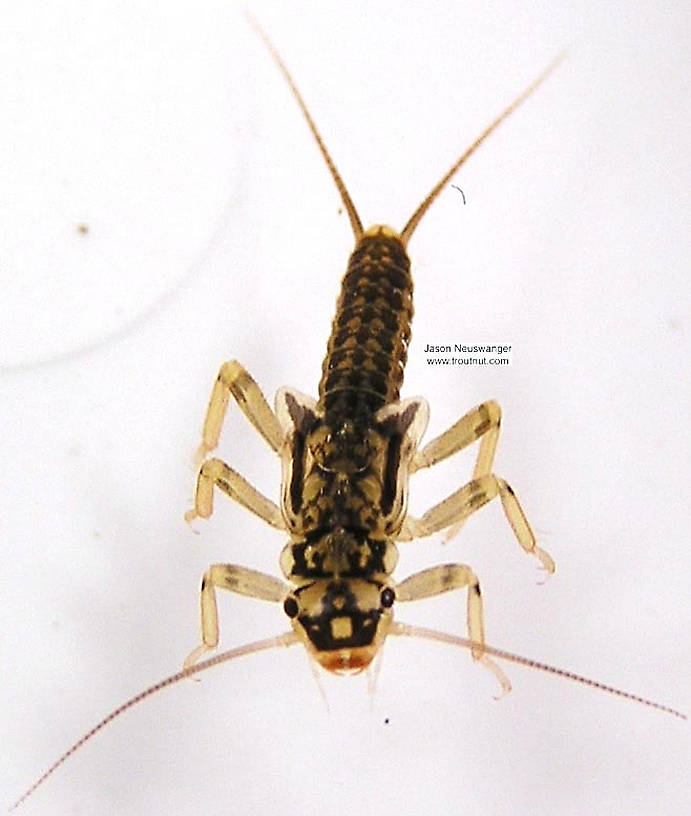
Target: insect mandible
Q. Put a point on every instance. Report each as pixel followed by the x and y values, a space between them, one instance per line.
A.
pixel 346 460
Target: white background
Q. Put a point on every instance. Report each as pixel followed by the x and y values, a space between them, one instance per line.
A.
pixel 214 233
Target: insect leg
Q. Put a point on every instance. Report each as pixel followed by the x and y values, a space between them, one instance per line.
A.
pixel 215 472
pixel 234 379
pixel 452 511
pixel 444 578
pixel 481 423
pixel 237 579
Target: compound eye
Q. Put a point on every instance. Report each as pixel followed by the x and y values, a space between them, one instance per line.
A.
pixel 387 597
pixel 290 607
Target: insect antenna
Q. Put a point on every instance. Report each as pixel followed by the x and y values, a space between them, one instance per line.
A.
pixel 287 639
pixel 355 222
pixel 455 640
pixel 439 186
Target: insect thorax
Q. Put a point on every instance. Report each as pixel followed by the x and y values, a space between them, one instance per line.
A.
pixel 344 498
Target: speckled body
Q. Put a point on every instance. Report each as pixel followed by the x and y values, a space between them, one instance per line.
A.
pixel 368 346
pixel 345 469
pixel 347 457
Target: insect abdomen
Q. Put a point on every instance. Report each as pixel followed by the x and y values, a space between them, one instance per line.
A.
pixel 367 349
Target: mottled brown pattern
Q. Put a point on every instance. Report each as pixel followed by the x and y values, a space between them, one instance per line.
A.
pixel 368 346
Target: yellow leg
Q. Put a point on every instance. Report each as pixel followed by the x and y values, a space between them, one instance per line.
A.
pixel 481 423
pixel 234 379
pixel 215 472
pixel 236 579
pixel 444 578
